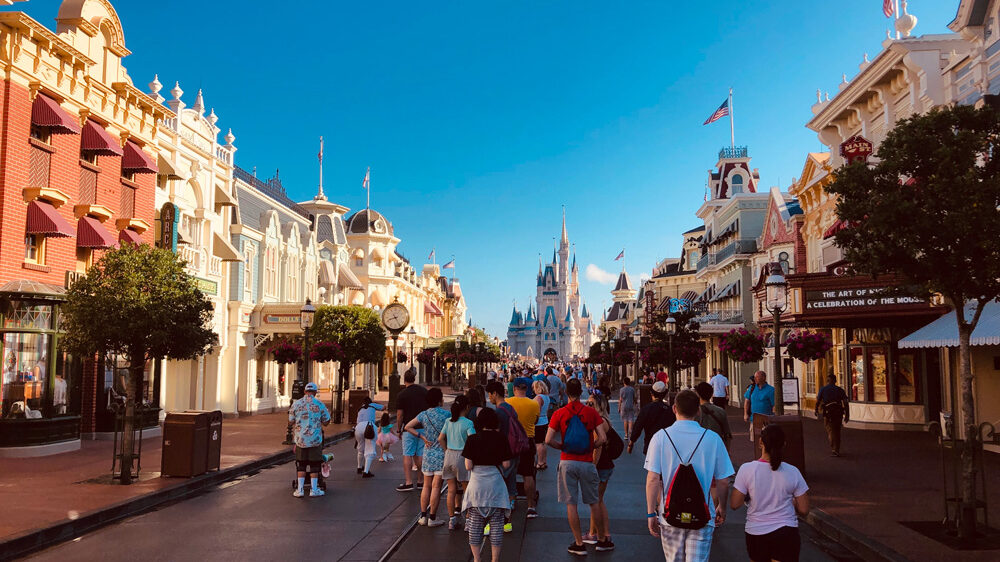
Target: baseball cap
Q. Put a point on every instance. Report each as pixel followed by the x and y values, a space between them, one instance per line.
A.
pixel 311 387
pixel 522 382
pixel 659 387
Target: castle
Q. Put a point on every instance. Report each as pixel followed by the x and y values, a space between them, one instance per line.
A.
pixel 558 322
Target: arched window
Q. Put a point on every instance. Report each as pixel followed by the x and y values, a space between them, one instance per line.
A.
pixel 783 260
pixel 736 184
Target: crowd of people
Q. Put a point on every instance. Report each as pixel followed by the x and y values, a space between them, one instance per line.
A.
pixel 497 432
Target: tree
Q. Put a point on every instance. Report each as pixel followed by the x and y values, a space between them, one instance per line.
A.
pixel 139 303
pixel 928 212
pixel 688 351
pixel 358 331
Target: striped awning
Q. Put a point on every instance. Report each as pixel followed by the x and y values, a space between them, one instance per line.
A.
pixel 347 279
pixel 95 139
pixel 129 236
pixel 432 309
pixel 327 277
pixel 90 233
pixel 44 219
pixel 943 332
pixel 45 112
pixel 834 229
pixel 136 161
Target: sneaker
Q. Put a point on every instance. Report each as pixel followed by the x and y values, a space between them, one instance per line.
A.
pixel 434 522
pixel 577 549
pixel 389 457
pixel 605 545
pixel 360 470
pixel 381 459
pixel 589 539
pixel 404 488
pixel 453 524
pixel 368 475
pixel 532 514
pixel 507 527
pixel 316 492
pixel 486 529
pixel 298 493
pixel 422 520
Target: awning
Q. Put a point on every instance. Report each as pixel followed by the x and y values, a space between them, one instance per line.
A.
pixel 943 332
pixel 90 233
pixel 730 290
pixel 358 253
pixel 222 249
pixel 377 253
pixel 129 236
pixel 733 227
pixel 327 277
pixel 347 279
pixel 834 229
pixel 95 139
pixel 707 294
pixel 44 219
pixel 167 168
pixel 222 198
pixel 137 161
pixel 45 112
pixel 432 309
pixel 377 299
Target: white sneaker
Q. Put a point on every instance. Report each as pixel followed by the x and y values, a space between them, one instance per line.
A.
pixel 298 493
pixel 434 522
pixel 422 520
pixel 316 492
pixel 389 457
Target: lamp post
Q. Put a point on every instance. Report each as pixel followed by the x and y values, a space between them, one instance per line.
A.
pixel 611 342
pixel 306 317
pixel 637 338
pixel 454 374
pixel 776 303
pixel 604 357
pixel 670 327
pixel 412 334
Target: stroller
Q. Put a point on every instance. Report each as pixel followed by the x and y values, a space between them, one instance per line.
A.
pixel 323 474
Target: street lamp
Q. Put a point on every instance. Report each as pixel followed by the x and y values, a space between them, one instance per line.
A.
pixel 637 337
pixel 670 327
pixel 412 334
pixel 454 374
pixel 306 317
pixel 776 302
pixel 612 369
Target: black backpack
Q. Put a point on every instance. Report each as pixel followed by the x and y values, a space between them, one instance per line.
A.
pixel 685 506
pixel 615 446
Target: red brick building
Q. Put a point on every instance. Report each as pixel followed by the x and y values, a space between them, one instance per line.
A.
pixel 77 176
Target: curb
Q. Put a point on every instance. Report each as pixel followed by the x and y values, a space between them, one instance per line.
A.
pixel 862 545
pixel 46 537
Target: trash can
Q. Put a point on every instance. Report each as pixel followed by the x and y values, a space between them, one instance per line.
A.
pixel 213 454
pixel 355 398
pixel 185 444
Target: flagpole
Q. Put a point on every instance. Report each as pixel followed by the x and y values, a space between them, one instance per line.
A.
pixel 321 196
pixel 732 130
pixel 368 192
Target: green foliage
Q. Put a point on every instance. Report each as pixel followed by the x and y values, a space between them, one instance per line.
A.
pixel 356 329
pixel 688 350
pixel 140 303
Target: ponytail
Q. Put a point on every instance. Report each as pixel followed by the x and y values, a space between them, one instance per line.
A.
pixel 772 438
pixel 460 403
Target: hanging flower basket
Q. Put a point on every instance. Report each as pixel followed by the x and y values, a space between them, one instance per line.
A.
pixel 401 357
pixel 448 357
pixel 742 345
pixel 286 352
pixel 466 358
pixel 425 357
pixel 624 358
pixel 689 355
pixel 326 351
pixel 657 356
pixel 807 346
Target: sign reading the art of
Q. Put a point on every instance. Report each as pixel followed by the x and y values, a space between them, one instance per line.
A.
pixel 856 149
pixel 281 318
pixel 867 297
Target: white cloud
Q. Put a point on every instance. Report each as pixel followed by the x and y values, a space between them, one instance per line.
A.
pixel 596 274
pixel 643 277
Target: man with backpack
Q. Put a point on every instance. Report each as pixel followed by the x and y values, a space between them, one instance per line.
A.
pixel 571 430
pixel 711 416
pixel 684 463
pixel 652 417
pixel 832 403
pixel 516 437
pixel 526 411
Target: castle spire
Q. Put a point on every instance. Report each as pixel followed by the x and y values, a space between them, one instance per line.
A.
pixel 565 237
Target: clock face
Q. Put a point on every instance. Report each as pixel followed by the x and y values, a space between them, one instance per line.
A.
pixel 395 317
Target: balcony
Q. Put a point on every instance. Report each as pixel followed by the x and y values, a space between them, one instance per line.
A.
pixel 733 152
pixel 722 316
pixel 741 246
pixel 706 260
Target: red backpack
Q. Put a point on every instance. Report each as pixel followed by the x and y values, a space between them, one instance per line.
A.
pixel 517 439
pixel 685 507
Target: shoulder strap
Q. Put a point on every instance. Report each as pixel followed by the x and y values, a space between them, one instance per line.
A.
pixel 691 456
pixel 672 443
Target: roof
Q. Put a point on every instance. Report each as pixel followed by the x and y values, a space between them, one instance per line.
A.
pixel 943 332
pixel 363 221
pixel 698 228
pixel 619 311
pixel 623 283
pixel 271 188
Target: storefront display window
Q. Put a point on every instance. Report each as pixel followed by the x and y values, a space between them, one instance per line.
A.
pixel 857 369
pixel 906 378
pixel 116 372
pixel 281 379
pixel 66 387
pixel 878 363
pixel 25 367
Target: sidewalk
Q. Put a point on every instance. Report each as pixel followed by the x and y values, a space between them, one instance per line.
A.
pixel 882 478
pixel 59 488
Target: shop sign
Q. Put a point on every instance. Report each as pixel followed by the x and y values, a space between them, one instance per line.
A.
pixel 650 309
pixel 168 227
pixel 281 318
pixel 857 298
pixel 856 149
pixel 71 278
pixel 207 286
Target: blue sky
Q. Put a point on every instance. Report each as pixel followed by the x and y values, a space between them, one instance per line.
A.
pixel 481 119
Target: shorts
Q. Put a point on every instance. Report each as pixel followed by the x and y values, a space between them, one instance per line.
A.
pixel 577 479
pixel 604 474
pixel 781 544
pixel 413 446
pixel 454 466
pixel 540 431
pixel 526 463
pixel 308 459
pixel 628 416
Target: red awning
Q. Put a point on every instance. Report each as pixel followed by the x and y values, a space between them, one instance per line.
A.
pixel 44 219
pixel 45 112
pixel 431 308
pixel 90 233
pixel 129 236
pixel 96 139
pixel 834 229
pixel 137 161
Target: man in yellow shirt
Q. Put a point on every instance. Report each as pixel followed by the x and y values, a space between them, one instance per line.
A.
pixel 527 415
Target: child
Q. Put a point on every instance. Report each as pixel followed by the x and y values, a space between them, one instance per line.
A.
pixel 385 438
pixel 452 438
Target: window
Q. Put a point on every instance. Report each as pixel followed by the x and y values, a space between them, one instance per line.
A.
pixel 783 261
pixel 857 367
pixel 89 157
pixel 25 365
pixel 736 184
pixel 84 259
pixel 34 249
pixel 270 273
pixel 248 272
pixel 127 209
pixel 359 262
pixel 41 134
pixel 811 378
pixel 190 229
pixel 130 176
pixel 293 278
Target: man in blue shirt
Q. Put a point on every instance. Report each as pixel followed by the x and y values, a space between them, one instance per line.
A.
pixel 759 398
pixel 832 404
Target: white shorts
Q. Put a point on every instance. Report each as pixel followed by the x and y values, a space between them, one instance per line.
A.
pixel 454 466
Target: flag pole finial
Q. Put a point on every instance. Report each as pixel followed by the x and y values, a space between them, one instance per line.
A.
pixel 320 196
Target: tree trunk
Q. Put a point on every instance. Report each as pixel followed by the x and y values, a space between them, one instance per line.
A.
pixel 128 428
pixel 967 509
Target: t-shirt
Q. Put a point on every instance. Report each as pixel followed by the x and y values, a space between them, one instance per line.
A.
pixel 719 384
pixel 761 400
pixel 487 448
pixel 556 386
pixel 626 398
pixel 714 418
pixel 590 418
pixel 412 401
pixel 527 413
pixel 456 432
pixel 771 493
pixel 710 460
pixel 662 377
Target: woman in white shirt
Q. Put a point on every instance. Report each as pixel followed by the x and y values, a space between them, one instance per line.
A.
pixel 774 492
pixel 364 444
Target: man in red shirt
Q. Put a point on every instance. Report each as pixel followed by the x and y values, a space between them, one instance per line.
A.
pixel 577 475
pixel 663 377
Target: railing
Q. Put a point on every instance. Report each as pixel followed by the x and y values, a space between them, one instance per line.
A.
pixel 171 123
pixel 723 316
pixel 224 154
pixel 742 246
pixel 706 260
pixel 733 152
pixel 214 266
pixel 272 188
pixel 191 256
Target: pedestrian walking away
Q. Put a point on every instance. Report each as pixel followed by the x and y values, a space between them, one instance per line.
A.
pixel 364 436
pixel 774 493
pixel 410 402
pixel 386 438
pixel 832 403
pixel 570 430
pixel 599 534
pixel 652 418
pixel 758 399
pixel 627 405
pixel 431 421
pixel 686 447
pixel 308 415
pixel 711 416
pixel 557 390
pixel 453 436
pixel 544 400
pixel 720 389
pixel 485 503
pixel 495 392
pixel 527 414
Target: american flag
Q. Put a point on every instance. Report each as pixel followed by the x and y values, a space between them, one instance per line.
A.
pixel 321 149
pixel 364 184
pixel 449 265
pixel 431 257
pixel 620 255
pixel 719 113
pixel 888 8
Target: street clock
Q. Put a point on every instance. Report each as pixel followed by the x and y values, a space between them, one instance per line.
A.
pixel 395 317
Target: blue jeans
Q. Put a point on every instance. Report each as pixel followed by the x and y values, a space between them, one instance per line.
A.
pixel 413 446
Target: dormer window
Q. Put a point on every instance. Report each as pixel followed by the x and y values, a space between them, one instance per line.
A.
pixel 736 184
